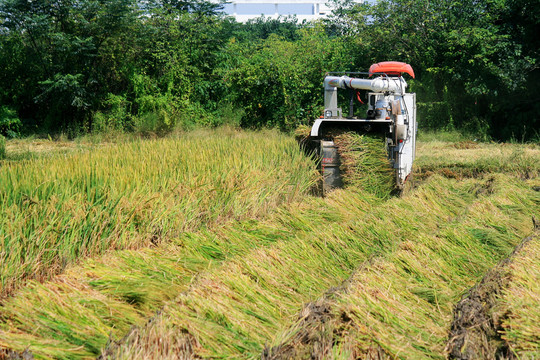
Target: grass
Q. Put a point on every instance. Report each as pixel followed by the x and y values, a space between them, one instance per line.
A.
pixel 233 281
pixel 59 209
pixel 449 136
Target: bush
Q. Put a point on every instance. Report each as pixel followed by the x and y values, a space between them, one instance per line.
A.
pixel 434 115
pixel 157 122
pixel 2 147
pixel 157 109
pixel 116 118
pixel 277 82
pixel 10 124
pixel 230 115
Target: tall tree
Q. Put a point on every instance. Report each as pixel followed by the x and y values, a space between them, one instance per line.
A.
pixel 60 58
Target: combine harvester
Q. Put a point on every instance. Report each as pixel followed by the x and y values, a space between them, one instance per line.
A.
pixel 391 112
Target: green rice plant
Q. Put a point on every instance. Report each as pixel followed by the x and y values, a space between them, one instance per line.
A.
pixel 56 210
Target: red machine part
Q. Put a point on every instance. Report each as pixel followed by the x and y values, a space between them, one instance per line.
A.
pixel 391 68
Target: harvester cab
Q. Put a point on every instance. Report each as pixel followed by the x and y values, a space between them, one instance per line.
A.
pixel 390 111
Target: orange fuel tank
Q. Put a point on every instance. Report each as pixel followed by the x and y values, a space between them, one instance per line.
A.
pixel 391 68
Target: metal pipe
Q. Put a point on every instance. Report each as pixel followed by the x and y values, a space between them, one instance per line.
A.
pixel 380 84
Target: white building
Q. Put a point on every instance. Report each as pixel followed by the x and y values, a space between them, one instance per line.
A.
pixel 244 10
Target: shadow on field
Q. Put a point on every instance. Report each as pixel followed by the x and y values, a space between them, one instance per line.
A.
pixel 6 354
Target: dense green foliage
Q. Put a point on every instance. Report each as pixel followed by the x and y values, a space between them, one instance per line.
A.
pixel 2 147
pixel 102 65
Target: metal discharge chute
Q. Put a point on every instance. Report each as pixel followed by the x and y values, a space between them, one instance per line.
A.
pixel 390 110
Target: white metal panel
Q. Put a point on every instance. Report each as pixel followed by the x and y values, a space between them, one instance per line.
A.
pixel 407 151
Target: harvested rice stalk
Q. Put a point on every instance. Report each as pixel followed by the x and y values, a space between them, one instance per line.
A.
pixel 302 136
pixel 364 163
pixel 302 133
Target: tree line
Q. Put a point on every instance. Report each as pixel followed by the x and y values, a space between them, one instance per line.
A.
pixel 81 66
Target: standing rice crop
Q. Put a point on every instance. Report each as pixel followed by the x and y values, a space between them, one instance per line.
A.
pixel 56 210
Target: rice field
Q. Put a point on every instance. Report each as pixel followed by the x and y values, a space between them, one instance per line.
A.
pixel 210 245
pixel 56 210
